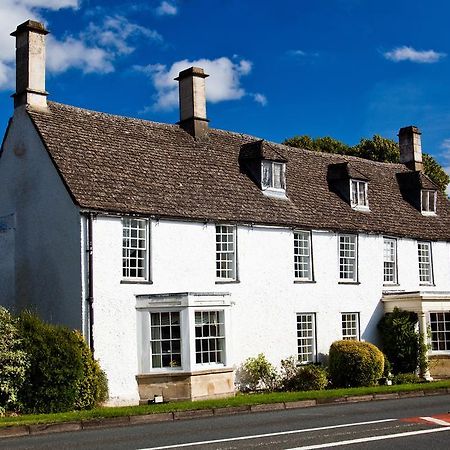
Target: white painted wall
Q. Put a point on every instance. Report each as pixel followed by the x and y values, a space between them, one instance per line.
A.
pixel 46 262
pixel 264 302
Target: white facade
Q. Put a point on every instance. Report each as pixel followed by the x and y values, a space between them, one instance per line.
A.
pixel 261 315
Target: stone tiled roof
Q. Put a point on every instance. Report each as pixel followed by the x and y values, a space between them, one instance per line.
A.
pixel 124 165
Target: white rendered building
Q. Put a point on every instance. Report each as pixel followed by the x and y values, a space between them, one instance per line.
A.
pixel 181 250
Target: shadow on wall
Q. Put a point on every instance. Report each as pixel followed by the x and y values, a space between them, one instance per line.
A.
pixel 371 334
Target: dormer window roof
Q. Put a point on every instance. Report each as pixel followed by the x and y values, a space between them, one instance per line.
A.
pixel 428 201
pixel 359 194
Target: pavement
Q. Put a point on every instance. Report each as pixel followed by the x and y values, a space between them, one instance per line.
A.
pixel 40 429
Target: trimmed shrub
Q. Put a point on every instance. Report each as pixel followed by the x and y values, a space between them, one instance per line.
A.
pixel 13 362
pixel 298 377
pixel 92 387
pixel 405 378
pixel 55 366
pixel 355 363
pixel 257 374
pixel 401 341
pixel 62 374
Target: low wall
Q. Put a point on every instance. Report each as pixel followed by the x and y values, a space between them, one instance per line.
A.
pixel 439 366
pixel 201 385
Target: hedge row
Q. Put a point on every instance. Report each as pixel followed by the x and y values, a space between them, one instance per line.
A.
pixel 46 368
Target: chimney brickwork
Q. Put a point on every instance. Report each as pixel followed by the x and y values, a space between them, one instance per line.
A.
pixel 30 64
pixel 410 147
pixel 193 102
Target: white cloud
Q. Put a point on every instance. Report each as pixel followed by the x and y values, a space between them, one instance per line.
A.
pixel 224 83
pixel 114 33
pixel 166 9
pixel 260 98
pixel 93 50
pixel 48 4
pixel 410 54
pixel 73 53
pixel 296 53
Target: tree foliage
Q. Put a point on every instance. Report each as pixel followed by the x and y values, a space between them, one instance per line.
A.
pixel 376 149
pixel 13 362
pixel 400 340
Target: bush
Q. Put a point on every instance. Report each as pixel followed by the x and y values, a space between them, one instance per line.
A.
pixel 257 373
pixel 405 378
pixel 62 374
pixel 355 363
pixel 55 366
pixel 92 387
pixel 13 362
pixel 298 377
pixel 401 341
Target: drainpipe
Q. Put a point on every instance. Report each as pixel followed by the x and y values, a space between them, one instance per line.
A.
pixel 90 298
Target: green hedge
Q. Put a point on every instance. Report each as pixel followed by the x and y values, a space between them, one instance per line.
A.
pixel 62 374
pixel 355 363
pixel 400 340
pixel 13 362
pixel 302 377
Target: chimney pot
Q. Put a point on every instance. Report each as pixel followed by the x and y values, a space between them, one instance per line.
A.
pixel 30 64
pixel 192 96
pixel 410 147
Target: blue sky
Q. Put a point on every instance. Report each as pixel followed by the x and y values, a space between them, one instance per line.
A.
pixel 343 68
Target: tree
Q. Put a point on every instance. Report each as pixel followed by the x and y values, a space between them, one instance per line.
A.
pixel 376 149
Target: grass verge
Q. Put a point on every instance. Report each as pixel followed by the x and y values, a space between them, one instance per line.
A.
pixel 239 400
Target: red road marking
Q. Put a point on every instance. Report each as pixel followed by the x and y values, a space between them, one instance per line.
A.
pixel 444 417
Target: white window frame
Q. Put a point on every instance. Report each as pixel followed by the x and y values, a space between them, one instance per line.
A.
pixel 348 258
pixel 135 252
pixel 306 338
pixel 359 198
pixel 226 253
pixel 215 332
pixel 439 331
pixel 390 261
pixel 156 336
pixel 428 199
pixel 272 182
pixel 303 262
pixel 425 259
pixel 350 326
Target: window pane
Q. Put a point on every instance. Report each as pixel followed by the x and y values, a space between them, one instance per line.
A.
pixel 350 326
pixel 225 252
pixel 165 339
pixel 302 255
pixel 390 260
pixel 266 174
pixel 347 257
pixel 277 175
pixel 440 331
pixel 134 248
pixel 209 337
pixel 306 337
pixel 425 263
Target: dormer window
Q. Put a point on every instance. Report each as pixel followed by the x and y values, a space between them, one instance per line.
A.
pixel 428 201
pixel 358 194
pixel 273 175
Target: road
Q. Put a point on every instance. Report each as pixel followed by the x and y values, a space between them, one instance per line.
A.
pixel 410 423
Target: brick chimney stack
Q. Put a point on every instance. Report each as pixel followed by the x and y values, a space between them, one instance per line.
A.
pixel 30 64
pixel 410 148
pixel 193 119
